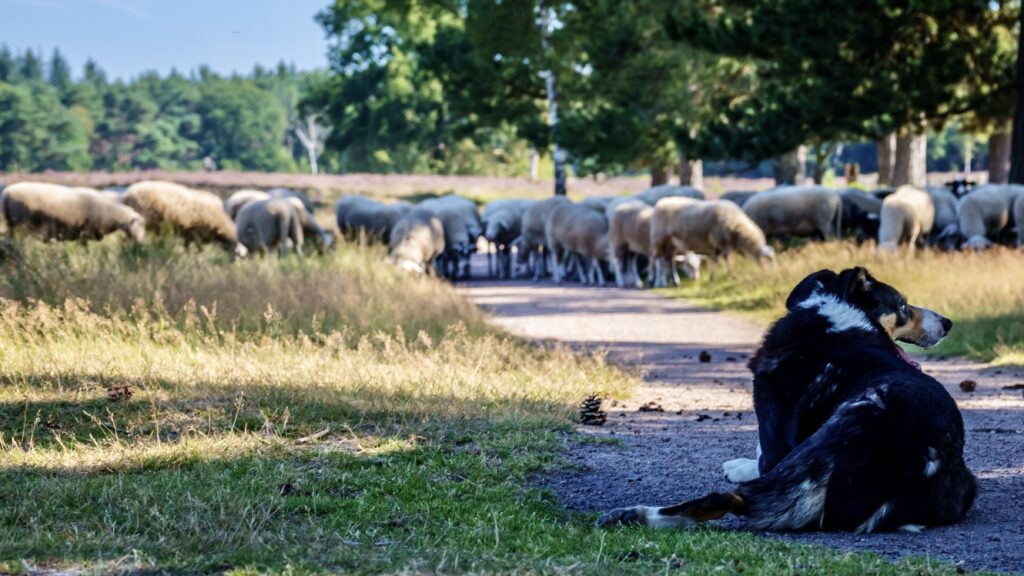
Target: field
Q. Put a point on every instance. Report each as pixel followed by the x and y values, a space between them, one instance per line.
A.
pixel 164 410
pixel 983 293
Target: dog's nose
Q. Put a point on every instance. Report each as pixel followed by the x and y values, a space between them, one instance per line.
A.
pixel 947 324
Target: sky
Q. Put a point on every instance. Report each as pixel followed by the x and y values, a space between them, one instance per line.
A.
pixel 128 37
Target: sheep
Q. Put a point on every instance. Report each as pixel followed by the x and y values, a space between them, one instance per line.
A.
pixel 738 197
pixel 861 213
pixel 655 193
pixel 907 216
pixel 797 210
pixel 461 224
pixel 68 213
pixel 195 214
pixel 598 203
pixel 310 227
pixel 716 228
pixel 502 223
pixel 113 194
pixel 629 235
pixel 417 239
pixel 307 203
pixel 985 212
pixel 265 224
pixel 945 231
pixel 240 198
pixel 532 235
pixel 360 215
pixel 575 230
pixel 1018 218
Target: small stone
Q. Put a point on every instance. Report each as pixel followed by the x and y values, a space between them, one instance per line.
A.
pixel 968 386
pixel 704 357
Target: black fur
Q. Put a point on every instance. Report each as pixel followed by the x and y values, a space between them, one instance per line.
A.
pixel 845 405
pixel 853 437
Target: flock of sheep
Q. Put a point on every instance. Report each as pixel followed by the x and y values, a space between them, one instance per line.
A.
pixel 641 239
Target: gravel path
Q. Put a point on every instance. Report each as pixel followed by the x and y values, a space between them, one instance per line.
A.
pixel 704 416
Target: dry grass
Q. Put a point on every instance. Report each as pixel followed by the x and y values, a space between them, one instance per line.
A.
pixel 982 292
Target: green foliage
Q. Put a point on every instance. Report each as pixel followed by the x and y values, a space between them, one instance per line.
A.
pixel 52 121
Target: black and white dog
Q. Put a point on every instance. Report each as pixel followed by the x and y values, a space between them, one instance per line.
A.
pixel 854 436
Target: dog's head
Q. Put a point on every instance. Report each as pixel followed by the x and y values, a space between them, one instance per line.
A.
pixel 853 296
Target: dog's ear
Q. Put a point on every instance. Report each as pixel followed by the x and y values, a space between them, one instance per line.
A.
pixel 807 286
pixel 854 281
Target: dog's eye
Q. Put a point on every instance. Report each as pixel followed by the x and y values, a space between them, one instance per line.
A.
pixel 904 309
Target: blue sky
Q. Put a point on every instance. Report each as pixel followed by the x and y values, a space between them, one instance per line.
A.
pixel 127 37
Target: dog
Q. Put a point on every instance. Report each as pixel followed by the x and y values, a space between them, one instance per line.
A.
pixel 853 435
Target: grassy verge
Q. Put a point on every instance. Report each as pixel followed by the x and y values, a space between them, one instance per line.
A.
pixel 326 416
pixel 982 292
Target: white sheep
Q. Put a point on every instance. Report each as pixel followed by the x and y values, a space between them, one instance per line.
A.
pixel 532 235
pixel 655 193
pixel 629 236
pixel 271 223
pixel 417 239
pixel 240 198
pixel 462 227
pixel 908 214
pixel 1018 218
pixel 361 215
pixel 502 223
pixel 985 212
pixel 196 215
pixel 68 213
pixel 572 230
pixel 598 203
pixel 797 211
pixel 716 228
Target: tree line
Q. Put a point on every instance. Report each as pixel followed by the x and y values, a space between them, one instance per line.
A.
pixel 665 85
pixel 51 120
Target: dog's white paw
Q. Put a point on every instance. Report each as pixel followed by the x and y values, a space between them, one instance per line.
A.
pixel 741 470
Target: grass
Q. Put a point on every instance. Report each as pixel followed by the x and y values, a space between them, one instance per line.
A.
pixel 300 417
pixel 983 293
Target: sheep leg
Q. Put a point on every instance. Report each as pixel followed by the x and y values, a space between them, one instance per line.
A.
pixel 584 278
pixel 596 264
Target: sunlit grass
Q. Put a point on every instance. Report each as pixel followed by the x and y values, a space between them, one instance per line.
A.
pixel 983 293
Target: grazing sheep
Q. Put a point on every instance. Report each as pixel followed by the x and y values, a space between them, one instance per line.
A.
pixel 68 213
pixel 532 235
pixel 907 216
pixel 629 237
pixel 196 215
pixel 1018 218
pixel 307 203
pixel 985 212
pixel 417 239
pixel 598 203
pixel 112 194
pixel 861 213
pixel 575 230
pixel 797 211
pixel 946 229
pixel 738 197
pixel 310 227
pixel 462 227
pixel 655 193
pixel 238 199
pixel 268 224
pixel 360 215
pixel 502 223
pixel 716 228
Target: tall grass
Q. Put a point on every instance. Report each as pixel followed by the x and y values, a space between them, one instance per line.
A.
pixel 983 293
pixel 205 293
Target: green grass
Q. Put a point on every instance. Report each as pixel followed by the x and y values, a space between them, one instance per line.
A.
pixel 435 429
pixel 983 293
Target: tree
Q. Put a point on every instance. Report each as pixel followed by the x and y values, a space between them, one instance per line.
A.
pixel 313 135
pixel 242 126
pixel 8 66
pixel 60 73
pixel 853 71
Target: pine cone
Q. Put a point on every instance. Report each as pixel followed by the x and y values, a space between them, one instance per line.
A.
pixel 591 413
pixel 119 392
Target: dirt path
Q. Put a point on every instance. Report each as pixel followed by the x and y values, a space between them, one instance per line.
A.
pixel 707 418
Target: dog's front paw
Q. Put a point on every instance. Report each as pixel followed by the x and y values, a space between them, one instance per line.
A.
pixel 741 470
pixel 623 517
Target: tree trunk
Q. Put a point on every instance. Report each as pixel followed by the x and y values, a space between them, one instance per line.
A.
pixel 886 159
pixel 910 165
pixel 999 157
pixel 659 176
pixel 552 91
pixel 691 172
pixel 791 167
pixel 851 171
pixel 822 153
pixel 1017 147
pixel 534 161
